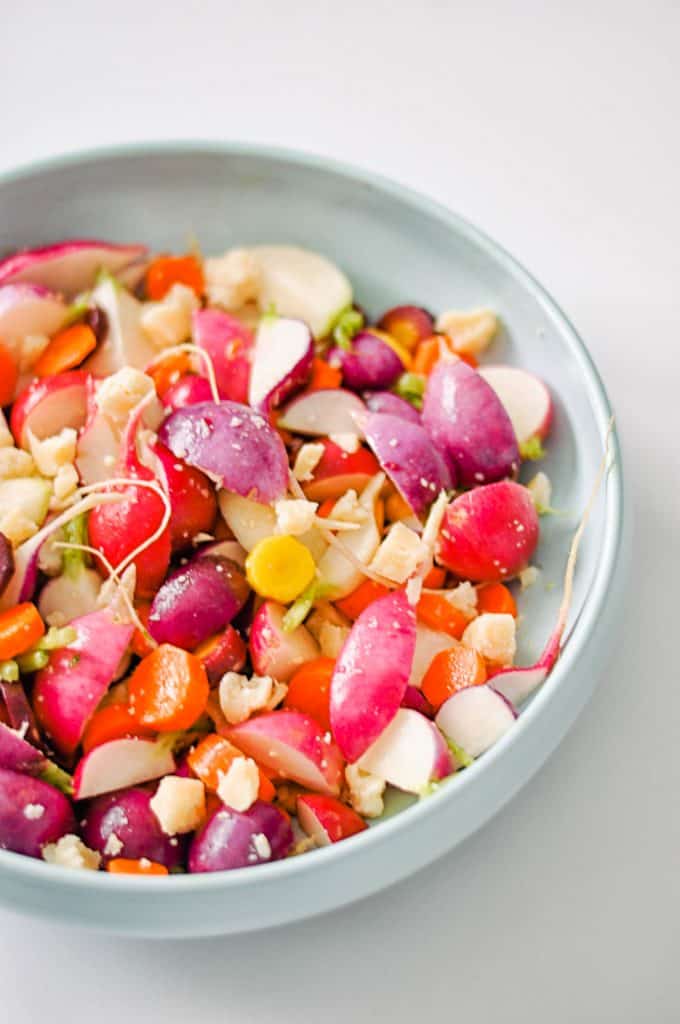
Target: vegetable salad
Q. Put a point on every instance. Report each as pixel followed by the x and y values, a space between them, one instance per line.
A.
pixel 259 554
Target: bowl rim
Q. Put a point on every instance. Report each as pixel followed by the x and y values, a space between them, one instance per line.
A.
pixel 36 870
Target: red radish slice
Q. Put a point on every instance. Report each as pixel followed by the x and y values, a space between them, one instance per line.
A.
pixel 282 361
pixel 322 413
pixel 339 471
pixel 69 267
pixel 68 690
pixel 17 754
pixel 326 819
pixel 406 453
pixel 525 398
pixel 417 701
pixel 292 746
pixel 49 404
pixel 273 651
pixel 475 718
pixel 119 764
pixel 371 673
pixel 229 343
pixel 409 754
pixel 28 309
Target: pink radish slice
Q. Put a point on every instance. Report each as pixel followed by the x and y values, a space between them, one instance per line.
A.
pixel 17 754
pixel 371 673
pixel 119 764
pixel 406 453
pixel 69 267
pixel 525 398
pixel 273 651
pixel 326 819
pixel 32 814
pixel 282 361
pixel 475 718
pixel 292 746
pixel 49 404
pixel 28 309
pixel 233 445
pixel 67 691
pixel 229 343
pixel 409 754
pixel 322 413
pixel 467 422
pixel 417 701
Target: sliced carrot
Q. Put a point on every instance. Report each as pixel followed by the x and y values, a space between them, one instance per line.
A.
pixel 436 612
pixel 9 374
pixel 324 376
pixel 212 758
pixel 141 644
pixel 165 271
pixel 435 579
pixel 468 358
pixel 20 628
pixel 128 866
pixel 66 350
pixel 168 370
pixel 425 356
pixel 309 690
pixel 450 671
pixel 496 598
pixel 366 593
pixel 168 690
pixel 326 507
pixel 113 722
pixel 397 508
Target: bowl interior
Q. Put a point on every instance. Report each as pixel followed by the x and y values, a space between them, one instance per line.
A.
pixel 395 247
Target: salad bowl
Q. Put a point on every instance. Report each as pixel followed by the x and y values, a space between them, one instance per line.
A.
pixel 392 243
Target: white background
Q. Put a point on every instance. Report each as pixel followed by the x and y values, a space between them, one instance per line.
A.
pixel 555 127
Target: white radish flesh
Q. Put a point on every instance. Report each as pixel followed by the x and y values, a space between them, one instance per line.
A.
pixel 282 361
pixel 299 282
pixel 525 398
pixel 119 764
pixel 322 413
pixel 409 754
pixel 475 718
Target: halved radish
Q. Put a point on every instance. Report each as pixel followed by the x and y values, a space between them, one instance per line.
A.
pixel 299 282
pixel 371 673
pixel 475 718
pixel 49 404
pixel 28 309
pixel 273 651
pixel 282 361
pixel 17 754
pixel 326 819
pixel 406 453
pixel 292 746
pixel 409 754
pixel 525 398
pixel 229 343
pixel 69 267
pixel 322 413
pixel 125 343
pixel 27 831
pixel 119 764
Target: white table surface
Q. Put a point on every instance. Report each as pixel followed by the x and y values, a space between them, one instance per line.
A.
pixel 555 128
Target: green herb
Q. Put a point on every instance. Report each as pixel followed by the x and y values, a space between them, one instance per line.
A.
pixel 301 607
pixel 55 638
pixel 532 449
pixel 347 325
pixel 9 672
pixel 32 661
pixel 57 777
pixel 411 386
pixel 462 759
pixel 75 532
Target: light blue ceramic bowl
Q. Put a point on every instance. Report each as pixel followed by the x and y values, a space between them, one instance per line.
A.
pixel 396 247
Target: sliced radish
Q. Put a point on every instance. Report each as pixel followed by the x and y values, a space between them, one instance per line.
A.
pixel 292 746
pixel 525 398
pixel 98 447
pixel 282 361
pixel 409 754
pixel 229 343
pixel 326 819
pixel 69 267
pixel 429 643
pixel 49 404
pixel 406 453
pixel 273 651
pixel 301 283
pixel 249 521
pixel 17 754
pixel 119 764
pixel 28 309
pixel 322 413
pixel 125 343
pixel 475 718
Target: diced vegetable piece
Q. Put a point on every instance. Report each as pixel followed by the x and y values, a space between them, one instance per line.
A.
pixel 525 398
pixel 229 343
pixel 298 282
pixel 188 390
pixel 408 325
pixel 292 746
pixel 467 422
pixel 452 670
pixel 429 643
pixel 9 375
pixel 370 364
pixel 282 361
pixel 366 593
pixel 48 405
pixel 233 445
pixel 393 405
pixel 212 758
pixel 309 690
pixel 17 754
pixel 32 814
pixel 371 673
pixel 197 600
pixel 67 692
pixel 192 499
pixel 66 350
pixel 143 866
pixel 339 471
pixel 165 271
pixel 496 599
pixel 475 718
pixel 439 614
pixel 274 652
pixel 169 689
pixel 406 453
pixel 238 839
pixel 323 413
pixel 417 701
pixel 27 309
pixel 125 344
pixel 324 377
pixel 119 764
pixel 409 754
pixel 112 722
pixel 326 819
pixel 122 824
pixel 224 652
pixel 490 533
pixel 20 628
pixel 70 266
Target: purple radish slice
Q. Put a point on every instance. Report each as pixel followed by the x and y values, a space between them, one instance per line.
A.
pixel 388 402
pixel 233 445
pixel 20 712
pixel 282 361
pixel 17 754
pixel 475 718
pixel 467 422
pixel 70 266
pixel 122 824
pixel 32 814
pixel 6 562
pixel 119 764
pixel 234 839
pixel 369 365
pixel 322 413
pixel 410 753
pixel 406 453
